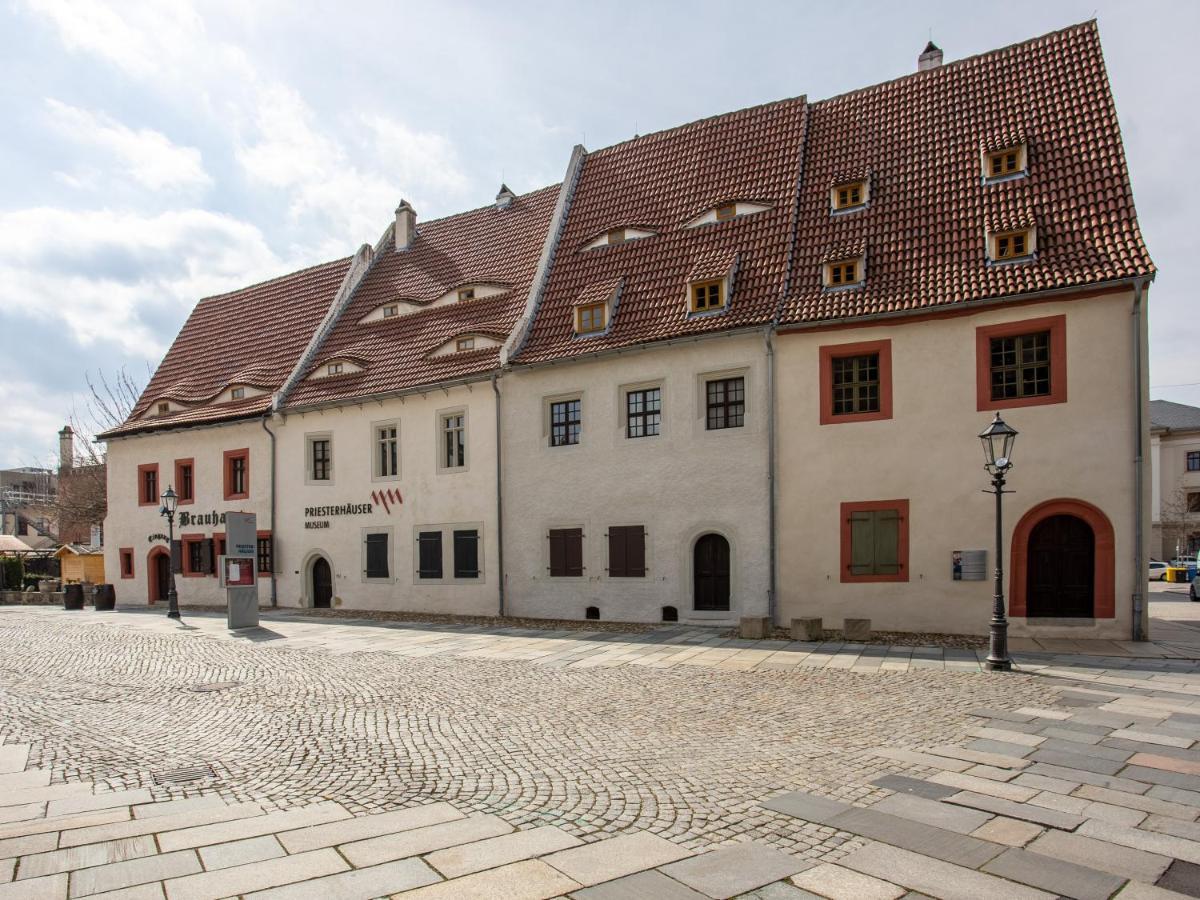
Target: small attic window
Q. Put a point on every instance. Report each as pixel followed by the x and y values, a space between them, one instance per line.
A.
pixel 849 195
pixel 844 272
pixel 466 293
pixel 465 343
pixel 726 211
pixel 389 311
pixel 706 296
pixel 1003 163
pixel 164 408
pixel 1012 245
pixel 238 393
pixel 334 368
pixel 617 236
pixel 591 318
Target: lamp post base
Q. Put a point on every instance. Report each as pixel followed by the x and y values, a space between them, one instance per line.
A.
pixel 997 665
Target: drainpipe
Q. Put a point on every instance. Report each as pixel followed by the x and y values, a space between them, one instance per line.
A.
pixel 1139 561
pixel 767 340
pixel 499 503
pixel 274 598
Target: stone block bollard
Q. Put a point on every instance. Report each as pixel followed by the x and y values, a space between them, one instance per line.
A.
pixel 754 627
pixel 857 629
pixel 808 629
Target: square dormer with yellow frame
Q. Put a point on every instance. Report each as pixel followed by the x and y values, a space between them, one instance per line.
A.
pixel 591 318
pixel 848 271
pixel 1012 245
pixel 708 295
pixel 847 196
pixel 1005 163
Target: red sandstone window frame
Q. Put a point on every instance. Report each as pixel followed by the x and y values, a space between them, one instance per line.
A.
pixel 141 484
pixel 1056 326
pixel 227 467
pixel 185 542
pixel 847 554
pixel 827 353
pixel 262 535
pixel 190 498
pixel 219 549
pixel 126 557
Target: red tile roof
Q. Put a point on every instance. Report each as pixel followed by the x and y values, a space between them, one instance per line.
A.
pixel 660 182
pixel 487 245
pixel 253 336
pixel 921 138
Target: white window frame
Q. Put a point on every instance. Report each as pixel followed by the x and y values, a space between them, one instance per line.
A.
pixel 309 439
pixel 623 393
pixel 440 440
pixel 376 474
pixel 547 425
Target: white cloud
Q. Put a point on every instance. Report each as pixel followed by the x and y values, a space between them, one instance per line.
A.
pixel 148 157
pixel 32 415
pixel 107 275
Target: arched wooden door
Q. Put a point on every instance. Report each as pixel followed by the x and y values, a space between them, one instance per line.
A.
pixel 322 583
pixel 710 570
pixel 158 581
pixel 1061 569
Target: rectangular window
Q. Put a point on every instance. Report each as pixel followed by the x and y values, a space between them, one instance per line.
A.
pixel 320 455
pixel 377 555
pixel 126 562
pixel 1193 461
pixel 265 553
pixel 643 412
pixel 842 273
pixel 429 555
pixel 707 295
pixel 1011 245
pixel 726 211
pixel 197 552
pixel 1004 162
pixel 875 541
pixel 1193 502
pixel 164 408
pixel 725 401
pixel 566 552
pixel 847 196
pixel 238 393
pixel 627 551
pixel 467 343
pixel 616 236
pixel 1021 366
pixel 148 485
pixel 389 311
pixel 387 451
pixel 185 484
pixel 466 294
pixel 590 318
pixel 566 422
pixel 335 369
pixel 237 474
pixel 855 384
pixel 466 554
pixel 454 441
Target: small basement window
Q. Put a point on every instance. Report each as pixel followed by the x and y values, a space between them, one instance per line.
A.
pixel 1001 163
pixel 843 272
pixel 466 293
pixel 707 295
pixel 726 211
pixel 237 393
pixel 590 318
pixel 335 368
pixel 850 195
pixel 1012 244
pixel 389 311
pixel 467 343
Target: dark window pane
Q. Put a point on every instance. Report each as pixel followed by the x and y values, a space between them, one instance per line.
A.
pixel 1020 366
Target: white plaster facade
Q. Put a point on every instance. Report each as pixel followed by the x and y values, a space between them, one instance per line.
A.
pixel 681 484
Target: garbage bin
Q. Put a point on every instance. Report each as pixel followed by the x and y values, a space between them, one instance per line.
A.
pixel 104 597
pixel 1191 571
pixel 73 596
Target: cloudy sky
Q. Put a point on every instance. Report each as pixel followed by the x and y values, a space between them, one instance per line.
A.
pixel 157 152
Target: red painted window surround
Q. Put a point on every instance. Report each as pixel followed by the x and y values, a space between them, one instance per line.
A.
pixel 184 500
pixel 901 506
pixel 229 457
pixel 185 540
pixel 126 562
pixel 218 550
pixel 828 353
pixel 1057 326
pixel 143 500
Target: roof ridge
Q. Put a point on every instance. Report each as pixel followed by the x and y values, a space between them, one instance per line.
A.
pixel 957 63
pixel 333 262
pixel 478 209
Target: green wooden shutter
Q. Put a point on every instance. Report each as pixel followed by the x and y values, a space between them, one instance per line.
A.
pixel 887 542
pixel 862 543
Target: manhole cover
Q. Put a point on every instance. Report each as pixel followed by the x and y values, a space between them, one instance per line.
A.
pixel 215 686
pixel 187 773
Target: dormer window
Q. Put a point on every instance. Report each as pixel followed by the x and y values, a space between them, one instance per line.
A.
pixel 466 294
pixel 334 368
pixel 850 195
pixel 591 318
pixel 164 408
pixel 1003 163
pixel 617 236
pixel 237 393
pixel 1012 245
pixel 464 343
pixel 707 295
pixel 844 272
pixel 389 311
pixel 726 211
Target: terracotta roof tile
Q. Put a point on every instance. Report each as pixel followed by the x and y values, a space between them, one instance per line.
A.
pixel 924 226
pixel 661 182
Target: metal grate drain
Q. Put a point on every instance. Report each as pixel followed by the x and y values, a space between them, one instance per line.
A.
pixel 187 773
pixel 215 686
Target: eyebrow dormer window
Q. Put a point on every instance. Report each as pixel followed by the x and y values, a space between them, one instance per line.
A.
pixel 707 295
pixel 237 393
pixel 164 408
pixel 591 318
pixel 335 369
pixel 617 236
pixel 726 211
pixel 1012 245
pixel 466 294
pixel 389 311
pixel 843 272
pixel 467 343
pixel 850 195
pixel 1002 163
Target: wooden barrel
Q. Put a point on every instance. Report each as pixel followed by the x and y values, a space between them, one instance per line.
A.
pixel 73 596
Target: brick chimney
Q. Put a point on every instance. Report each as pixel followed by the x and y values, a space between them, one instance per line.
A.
pixel 930 58
pixel 406 225
pixel 66 449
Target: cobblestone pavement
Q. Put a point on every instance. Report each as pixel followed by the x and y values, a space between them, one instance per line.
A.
pixel 783 764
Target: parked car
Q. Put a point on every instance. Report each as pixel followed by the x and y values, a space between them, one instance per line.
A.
pixel 1158 570
pixel 1192 589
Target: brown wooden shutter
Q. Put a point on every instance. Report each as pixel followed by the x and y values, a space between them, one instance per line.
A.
pixel 635 551
pixel 558 554
pixel 574 554
pixel 617 565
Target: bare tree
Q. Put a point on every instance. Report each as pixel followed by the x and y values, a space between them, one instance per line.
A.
pixel 1179 517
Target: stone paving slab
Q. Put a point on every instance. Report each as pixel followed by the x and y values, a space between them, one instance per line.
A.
pixel 256 876
pixel 346 830
pixel 729 871
pixel 55 861
pixel 1057 876
pixel 356 884
pixel 528 880
pixel 615 857
pixel 416 841
pixel 839 883
pixel 115 876
pixel 935 877
pixel 492 853
pixel 240 853
pixel 931 812
pixel 652 885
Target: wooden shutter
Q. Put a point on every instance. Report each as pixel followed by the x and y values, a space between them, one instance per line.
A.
pixel 627 551
pixel 206 556
pixel 429 555
pixel 617 565
pixel 887 542
pixel 177 557
pixel 558 554
pixel 466 554
pixel 862 542
pixel 575 552
pixel 377 555
pixel 566 552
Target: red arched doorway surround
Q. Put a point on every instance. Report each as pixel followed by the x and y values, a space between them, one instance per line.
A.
pixel 158 574
pixel 1105 576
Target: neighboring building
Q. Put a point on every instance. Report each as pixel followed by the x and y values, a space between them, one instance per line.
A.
pixel 1175 497
pixel 81 501
pixel 644 367
pixel 27 505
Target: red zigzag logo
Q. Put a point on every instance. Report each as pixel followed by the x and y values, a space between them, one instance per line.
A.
pixel 382 498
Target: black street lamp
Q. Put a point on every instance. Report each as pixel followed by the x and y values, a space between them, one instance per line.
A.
pixel 170 502
pixel 998 439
